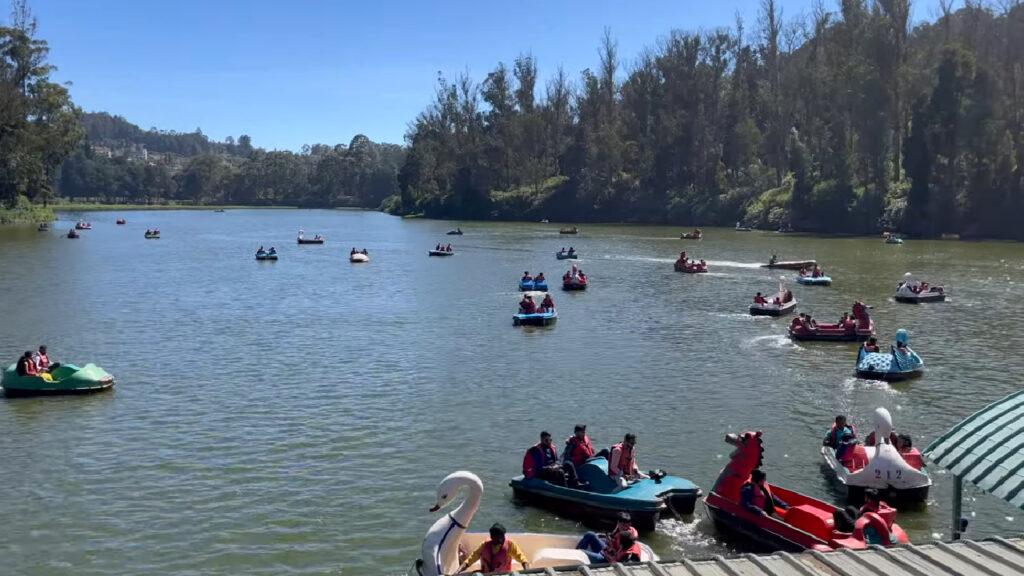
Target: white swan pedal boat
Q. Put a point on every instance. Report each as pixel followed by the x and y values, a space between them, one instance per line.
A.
pixel 447 540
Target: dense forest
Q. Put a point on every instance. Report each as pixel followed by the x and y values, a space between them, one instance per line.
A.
pixel 838 121
pixel 844 120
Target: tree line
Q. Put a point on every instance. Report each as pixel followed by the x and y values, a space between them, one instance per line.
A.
pixel 845 121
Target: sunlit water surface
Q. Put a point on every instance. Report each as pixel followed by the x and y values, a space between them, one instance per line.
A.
pixel 295 417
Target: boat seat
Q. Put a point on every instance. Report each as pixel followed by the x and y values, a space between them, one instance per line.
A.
pixel 552 557
pixel 812 520
pixel 595 472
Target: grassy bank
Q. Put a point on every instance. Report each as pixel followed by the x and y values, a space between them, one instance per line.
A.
pixel 25 212
pixel 98 207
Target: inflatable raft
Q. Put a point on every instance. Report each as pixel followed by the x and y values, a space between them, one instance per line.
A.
pixel 67 379
pixel 808 523
pixel 899 476
pixel 533 285
pixel 441 253
pixel 894 365
pixel 647 500
pixel 261 256
pixel 152 235
pixel 566 255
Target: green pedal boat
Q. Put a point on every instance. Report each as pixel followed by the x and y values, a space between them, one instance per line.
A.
pixel 67 379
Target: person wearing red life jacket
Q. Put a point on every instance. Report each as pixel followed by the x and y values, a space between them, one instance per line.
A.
pixel 42 361
pixel 541 461
pixel 756 496
pixel 871 345
pixel 759 300
pixel 496 554
pixel 526 277
pixel 27 367
pixel 622 466
pixel 605 547
pixel 578 448
pixel 629 549
pixel 547 305
pixel 527 306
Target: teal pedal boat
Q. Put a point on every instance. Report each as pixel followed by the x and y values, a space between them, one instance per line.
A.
pixel 67 379
pixel 645 500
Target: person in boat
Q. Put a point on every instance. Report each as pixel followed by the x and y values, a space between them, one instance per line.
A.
pixel 773 260
pixel 759 299
pixel 835 434
pixel 448 248
pixel 562 251
pixel 872 502
pixel 571 250
pixel 602 548
pixel 353 251
pixel 682 257
pixel 777 301
pixel 789 296
pixel 42 360
pixel 27 367
pixel 703 264
pixel 527 305
pixel 756 496
pixel 541 461
pixel 622 466
pixel 871 345
pixel 260 251
pixel 546 305
pixel 495 554
pixel 539 278
pixel 436 248
pixel 526 277
pixel 365 252
pixel 578 448
pixel 845 449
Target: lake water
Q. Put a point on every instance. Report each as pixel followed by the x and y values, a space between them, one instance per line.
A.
pixel 295 417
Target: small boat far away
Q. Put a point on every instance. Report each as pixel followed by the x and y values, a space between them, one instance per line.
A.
pixel 65 379
pixel 456 232
pixel 850 328
pixel 121 222
pixel 266 255
pixel 318 239
pixel 779 305
pixel 697 234
pixel 358 256
pixel 72 233
pixel 774 262
pixel 152 234
pixel 911 291
pixel 573 230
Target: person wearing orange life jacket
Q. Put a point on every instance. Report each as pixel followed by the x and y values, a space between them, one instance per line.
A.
pixel 606 547
pixel 496 554
pixel 622 466
pixel 756 496
pixel 629 549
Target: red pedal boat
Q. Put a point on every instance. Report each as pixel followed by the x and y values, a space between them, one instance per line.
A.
pixel 808 524
pixel 684 264
pixel 859 328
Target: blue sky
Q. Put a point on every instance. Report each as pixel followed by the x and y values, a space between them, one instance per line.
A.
pixel 308 71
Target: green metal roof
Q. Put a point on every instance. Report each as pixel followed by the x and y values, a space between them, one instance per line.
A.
pixel 986 449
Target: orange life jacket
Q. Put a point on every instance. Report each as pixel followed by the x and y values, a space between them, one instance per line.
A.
pixel 627 460
pixel 495 561
pixel 624 554
pixel 30 367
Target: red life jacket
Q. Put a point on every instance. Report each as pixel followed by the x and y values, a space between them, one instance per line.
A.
pixel 44 361
pixel 578 451
pixel 626 460
pixel 759 300
pixel 762 497
pixel 534 459
pixel 625 554
pixel 495 561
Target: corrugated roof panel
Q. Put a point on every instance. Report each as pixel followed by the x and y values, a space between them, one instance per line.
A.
pixel 993 557
pixel 985 449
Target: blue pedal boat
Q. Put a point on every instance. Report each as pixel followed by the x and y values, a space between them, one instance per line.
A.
pixel 540 319
pixel 892 365
pixel 812 281
pixel 645 500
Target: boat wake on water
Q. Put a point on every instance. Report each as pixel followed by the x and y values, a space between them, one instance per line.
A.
pixel 770 341
pixel 730 264
pixel 851 384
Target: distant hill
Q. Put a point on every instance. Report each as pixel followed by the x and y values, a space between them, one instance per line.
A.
pixel 116 133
